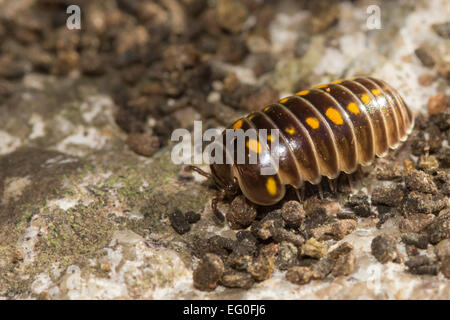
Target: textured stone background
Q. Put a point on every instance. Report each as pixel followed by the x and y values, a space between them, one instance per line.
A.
pixel 83 216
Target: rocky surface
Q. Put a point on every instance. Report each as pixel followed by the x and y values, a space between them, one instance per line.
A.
pixel 92 207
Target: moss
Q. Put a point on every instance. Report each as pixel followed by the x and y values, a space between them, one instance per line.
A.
pixel 79 234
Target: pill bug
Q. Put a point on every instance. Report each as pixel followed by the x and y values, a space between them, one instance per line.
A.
pixel 323 131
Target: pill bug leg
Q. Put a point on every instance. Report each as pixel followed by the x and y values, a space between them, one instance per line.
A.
pixel 350 181
pixel 319 186
pixel 219 215
pixel 332 184
pixel 222 193
pixel 300 193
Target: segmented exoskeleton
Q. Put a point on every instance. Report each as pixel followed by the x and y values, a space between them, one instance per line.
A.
pixel 322 131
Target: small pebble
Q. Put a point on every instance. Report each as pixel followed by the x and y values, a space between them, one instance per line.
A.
pixel 435 138
pixel 445 267
pixel 384 248
pixel 444 71
pixel 417 261
pixel 242 255
pixel 442 249
pixel 293 213
pixel 442 29
pixel 347 215
pixel 208 272
pixel 425 56
pixel 418 142
pixel 345 264
pixel 65 62
pixel 314 249
pixel 220 245
pixel 241 213
pixel 192 217
pixel 287 256
pixel 416 202
pixel 391 172
pixel 415 239
pixel 415 222
pixel 384 213
pixel 332 208
pixel 343 248
pixel 269 250
pixel 315 216
pixel 92 64
pixel 436 104
pixel 261 63
pixel 439 229
pixel 391 196
pixel 178 222
pixel 442 120
pixel 336 230
pixel 428 163
pixel 261 268
pixel 420 181
pixel 260 97
pixel 299 275
pixel 266 229
pixel 143 144
pixel 231 15
pixel 425 269
pixel 359 203
pixel 237 279
pixel 425 80
pixel 268 226
pixel 322 268
pixel 11 68
pixel 281 235
pixel 421 264
pixel 247 235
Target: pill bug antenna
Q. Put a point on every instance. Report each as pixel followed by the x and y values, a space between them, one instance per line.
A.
pixel 200 171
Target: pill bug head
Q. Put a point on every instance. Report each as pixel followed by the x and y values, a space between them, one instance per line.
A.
pixel 224 179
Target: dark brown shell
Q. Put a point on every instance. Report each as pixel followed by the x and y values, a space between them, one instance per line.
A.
pixel 323 131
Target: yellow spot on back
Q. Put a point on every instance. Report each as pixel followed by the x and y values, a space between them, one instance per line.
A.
pixel 337 82
pixel 269 138
pixel 284 100
pixel 321 86
pixel 376 92
pixel 251 117
pixel 271 186
pixel 237 124
pixel 353 108
pixel 312 122
pixel 254 146
pixel 334 116
pixel 302 93
pixel 266 108
pixel 365 98
pixel 290 130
